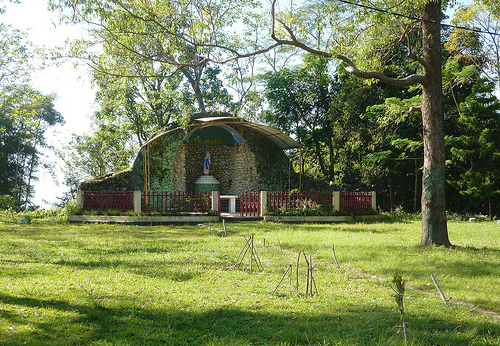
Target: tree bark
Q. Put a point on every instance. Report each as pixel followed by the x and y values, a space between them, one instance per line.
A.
pixel 490 207
pixel 434 227
pixel 195 84
pixel 391 191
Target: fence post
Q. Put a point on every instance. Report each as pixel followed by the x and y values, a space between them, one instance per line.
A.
pixel 336 201
pixel 374 200
pixel 215 201
pixel 137 201
pixel 263 203
pixel 79 199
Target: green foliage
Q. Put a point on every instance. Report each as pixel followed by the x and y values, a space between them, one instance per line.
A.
pixel 107 149
pixel 25 115
pixel 299 100
pixel 306 207
pixel 481 49
pixel 398 286
pixel 162 156
pixel 72 208
pixel 15 55
pixel 7 202
pixel 155 56
pixel 475 149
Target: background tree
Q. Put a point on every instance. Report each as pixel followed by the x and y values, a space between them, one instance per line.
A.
pixel 176 37
pixel 475 149
pixel 25 116
pixel 14 54
pixel 480 47
pixel 395 150
pixel 142 105
pixel 108 148
pixel 299 100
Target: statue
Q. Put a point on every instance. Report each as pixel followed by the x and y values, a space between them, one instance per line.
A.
pixel 207 163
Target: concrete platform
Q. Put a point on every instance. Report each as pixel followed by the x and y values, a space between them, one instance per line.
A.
pixel 236 217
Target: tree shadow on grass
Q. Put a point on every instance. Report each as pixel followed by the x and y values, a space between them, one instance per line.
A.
pixel 176 325
pixel 363 228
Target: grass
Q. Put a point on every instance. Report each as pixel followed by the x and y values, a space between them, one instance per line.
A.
pixel 90 284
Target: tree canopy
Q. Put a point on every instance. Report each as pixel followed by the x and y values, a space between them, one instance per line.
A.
pixel 25 116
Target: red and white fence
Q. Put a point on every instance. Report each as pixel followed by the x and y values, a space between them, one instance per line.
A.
pixel 108 200
pixel 297 200
pixel 354 201
pixel 250 203
pixel 178 201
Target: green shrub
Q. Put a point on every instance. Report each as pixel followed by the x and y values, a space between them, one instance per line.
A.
pixel 112 213
pixel 7 202
pixel 72 208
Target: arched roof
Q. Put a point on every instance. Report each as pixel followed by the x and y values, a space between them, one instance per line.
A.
pixel 282 140
pixel 218 134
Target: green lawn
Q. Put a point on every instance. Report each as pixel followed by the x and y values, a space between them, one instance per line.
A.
pixel 86 284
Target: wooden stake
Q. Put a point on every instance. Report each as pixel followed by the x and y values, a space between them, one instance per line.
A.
pixel 249 245
pixel 439 289
pixel 297 286
pixel 403 318
pixel 284 275
pixel 251 253
pixel 244 249
pixel 333 249
pixel 308 272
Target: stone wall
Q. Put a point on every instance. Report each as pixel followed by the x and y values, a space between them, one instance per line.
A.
pixel 179 169
pixel 272 163
pixel 233 166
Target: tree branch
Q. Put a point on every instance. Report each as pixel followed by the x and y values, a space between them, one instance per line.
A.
pixel 399 82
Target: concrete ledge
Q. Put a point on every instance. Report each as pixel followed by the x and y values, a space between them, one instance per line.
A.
pixel 322 219
pixel 210 218
pixel 143 219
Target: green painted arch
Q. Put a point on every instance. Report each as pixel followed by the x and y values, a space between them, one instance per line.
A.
pixel 218 134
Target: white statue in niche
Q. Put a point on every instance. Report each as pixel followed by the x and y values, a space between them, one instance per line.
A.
pixel 207 163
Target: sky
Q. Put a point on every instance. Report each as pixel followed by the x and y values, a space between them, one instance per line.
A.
pixel 72 87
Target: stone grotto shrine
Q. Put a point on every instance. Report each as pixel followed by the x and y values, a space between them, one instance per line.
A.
pixel 226 154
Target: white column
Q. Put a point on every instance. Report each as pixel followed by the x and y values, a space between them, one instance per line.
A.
pixel 215 201
pixel 232 205
pixel 263 203
pixel 336 200
pixel 137 201
pixel 79 199
pixel 374 200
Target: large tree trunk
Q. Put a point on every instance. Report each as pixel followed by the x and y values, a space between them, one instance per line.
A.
pixel 434 228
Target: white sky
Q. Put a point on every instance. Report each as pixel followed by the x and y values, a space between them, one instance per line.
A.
pixel 75 97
